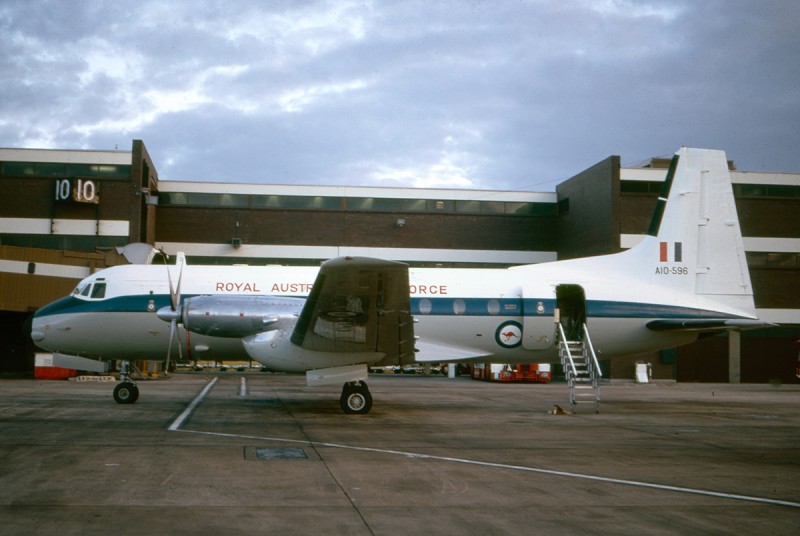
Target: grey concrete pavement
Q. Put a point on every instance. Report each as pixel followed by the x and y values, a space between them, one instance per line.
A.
pixel 435 456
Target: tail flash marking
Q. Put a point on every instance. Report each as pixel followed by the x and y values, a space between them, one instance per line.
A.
pixel 677 252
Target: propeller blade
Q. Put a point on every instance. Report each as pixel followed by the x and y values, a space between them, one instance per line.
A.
pixel 172 324
pixel 177 299
pixel 175 311
pixel 180 344
pixel 174 334
pixel 172 301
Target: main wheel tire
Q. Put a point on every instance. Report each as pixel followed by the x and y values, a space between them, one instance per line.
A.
pixel 126 393
pixel 356 400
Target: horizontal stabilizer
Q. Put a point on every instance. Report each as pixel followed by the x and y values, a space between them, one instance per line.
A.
pixel 707 325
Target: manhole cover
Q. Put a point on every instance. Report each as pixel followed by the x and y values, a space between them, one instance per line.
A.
pixel 267 453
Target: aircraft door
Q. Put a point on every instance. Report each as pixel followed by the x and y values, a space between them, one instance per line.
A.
pixel 571 304
pixel 538 328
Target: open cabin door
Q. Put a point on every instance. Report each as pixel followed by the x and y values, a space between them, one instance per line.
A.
pixel 538 326
pixel 571 310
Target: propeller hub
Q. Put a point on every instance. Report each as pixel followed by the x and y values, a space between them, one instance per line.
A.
pixel 168 315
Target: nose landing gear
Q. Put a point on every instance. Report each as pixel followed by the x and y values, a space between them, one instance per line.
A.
pixel 126 392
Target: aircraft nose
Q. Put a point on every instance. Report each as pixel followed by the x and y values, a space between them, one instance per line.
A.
pixel 37 330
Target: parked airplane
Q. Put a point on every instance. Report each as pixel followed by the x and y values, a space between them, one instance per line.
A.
pixel 687 276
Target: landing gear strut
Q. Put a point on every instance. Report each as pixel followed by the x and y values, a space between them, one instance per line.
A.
pixel 126 392
pixel 356 398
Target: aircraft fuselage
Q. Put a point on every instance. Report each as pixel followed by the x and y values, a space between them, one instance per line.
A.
pixel 493 320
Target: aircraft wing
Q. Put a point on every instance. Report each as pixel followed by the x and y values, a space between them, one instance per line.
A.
pixel 707 324
pixel 359 304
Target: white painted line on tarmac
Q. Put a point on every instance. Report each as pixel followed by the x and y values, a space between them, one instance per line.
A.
pixel 662 487
pixel 176 427
pixel 243 387
pixel 177 423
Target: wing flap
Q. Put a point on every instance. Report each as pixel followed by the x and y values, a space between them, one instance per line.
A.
pixel 435 353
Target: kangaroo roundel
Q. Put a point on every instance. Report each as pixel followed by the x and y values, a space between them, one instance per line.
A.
pixel 509 334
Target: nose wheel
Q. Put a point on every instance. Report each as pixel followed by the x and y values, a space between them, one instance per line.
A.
pixel 356 398
pixel 126 392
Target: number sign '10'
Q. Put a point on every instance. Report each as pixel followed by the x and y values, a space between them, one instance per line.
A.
pixel 80 190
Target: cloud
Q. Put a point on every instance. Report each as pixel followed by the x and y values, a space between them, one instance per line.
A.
pixel 508 95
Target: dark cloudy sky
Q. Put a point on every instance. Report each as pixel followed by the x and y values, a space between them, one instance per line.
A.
pixel 482 94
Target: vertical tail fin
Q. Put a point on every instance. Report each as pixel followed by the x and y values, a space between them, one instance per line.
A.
pixel 694 242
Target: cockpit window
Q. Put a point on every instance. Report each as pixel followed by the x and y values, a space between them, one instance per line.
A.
pixel 99 291
pixel 92 290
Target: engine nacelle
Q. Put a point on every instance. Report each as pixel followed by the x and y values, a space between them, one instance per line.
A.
pixel 275 350
pixel 236 316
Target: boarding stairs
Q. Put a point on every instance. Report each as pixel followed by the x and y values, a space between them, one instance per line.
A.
pixel 581 368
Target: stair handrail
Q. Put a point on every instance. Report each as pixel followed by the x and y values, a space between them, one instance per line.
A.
pixel 565 346
pixel 588 340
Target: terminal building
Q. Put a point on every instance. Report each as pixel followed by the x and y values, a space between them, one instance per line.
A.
pixel 68 213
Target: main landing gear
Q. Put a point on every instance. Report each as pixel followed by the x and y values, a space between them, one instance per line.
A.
pixel 126 392
pixel 356 398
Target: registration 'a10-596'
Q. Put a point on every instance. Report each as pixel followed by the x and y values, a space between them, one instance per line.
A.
pixel 672 270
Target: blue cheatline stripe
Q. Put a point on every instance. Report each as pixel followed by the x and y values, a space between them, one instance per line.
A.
pixel 123 304
pixel 134 303
pixel 532 307
pixel 505 307
pixel 614 309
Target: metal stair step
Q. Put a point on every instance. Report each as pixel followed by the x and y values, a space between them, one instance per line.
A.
pixel 581 374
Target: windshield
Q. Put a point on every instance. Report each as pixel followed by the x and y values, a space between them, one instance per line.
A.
pixel 90 290
pixel 83 285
